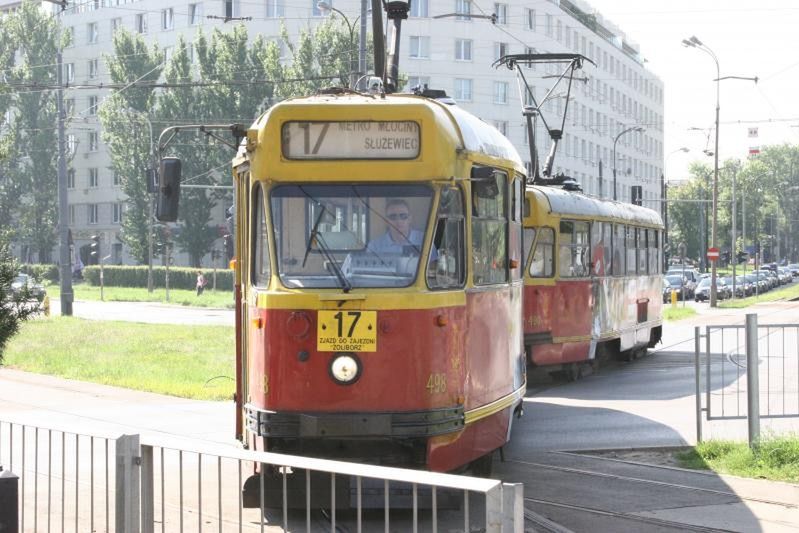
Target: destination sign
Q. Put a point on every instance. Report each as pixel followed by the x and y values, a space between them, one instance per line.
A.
pixel 346 331
pixel 351 140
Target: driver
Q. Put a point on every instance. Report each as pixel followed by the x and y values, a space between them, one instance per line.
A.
pixel 399 233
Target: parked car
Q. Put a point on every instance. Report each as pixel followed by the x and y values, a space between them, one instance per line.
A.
pixel 793 268
pixel 678 284
pixel 702 292
pixel 23 283
pixel 785 275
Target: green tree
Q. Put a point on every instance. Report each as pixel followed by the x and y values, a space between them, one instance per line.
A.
pixel 126 133
pixel 14 309
pixel 9 189
pixel 35 37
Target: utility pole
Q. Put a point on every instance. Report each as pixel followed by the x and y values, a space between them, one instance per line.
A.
pixel 362 48
pixel 733 251
pixel 63 205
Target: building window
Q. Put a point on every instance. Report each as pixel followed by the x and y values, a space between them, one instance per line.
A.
pixel 116 23
pixel 91 33
pixel 71 215
pixel 92 68
pixel 419 8
pixel 69 72
pixel 92 109
pixel 548 27
pixel 92 213
pixel 69 36
pixel 195 14
pixel 72 144
pixel 420 47
pixel 117 215
pixel 231 8
pixel 141 23
pixel 71 178
pixel 93 178
pixel 418 81
pixel 463 90
pixel 168 51
pixel 275 8
pixel 500 49
pixel 500 92
pixel 316 11
pixel 93 142
pixel 502 126
pixel 530 19
pixel 501 11
pixel 463 49
pixel 168 19
pixel 464 9
pixel 69 107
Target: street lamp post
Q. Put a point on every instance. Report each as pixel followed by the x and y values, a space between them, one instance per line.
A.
pixel 694 42
pixel 616 140
pixel 354 75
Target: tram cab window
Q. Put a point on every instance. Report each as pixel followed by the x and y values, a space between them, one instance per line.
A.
pixel 607 249
pixel 261 269
pixel 542 264
pixel 350 236
pixel 490 230
pixel 574 251
pixel 448 269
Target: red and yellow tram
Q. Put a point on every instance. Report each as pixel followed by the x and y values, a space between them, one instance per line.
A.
pixel 380 282
pixel 593 279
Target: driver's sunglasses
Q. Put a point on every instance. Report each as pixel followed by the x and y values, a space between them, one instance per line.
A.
pixel 398 216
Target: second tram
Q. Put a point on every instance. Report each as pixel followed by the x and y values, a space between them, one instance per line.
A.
pixel 593 280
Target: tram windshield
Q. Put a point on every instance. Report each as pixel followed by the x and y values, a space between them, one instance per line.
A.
pixel 350 236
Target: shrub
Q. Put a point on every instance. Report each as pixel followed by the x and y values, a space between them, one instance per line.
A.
pixel 136 276
pixel 41 272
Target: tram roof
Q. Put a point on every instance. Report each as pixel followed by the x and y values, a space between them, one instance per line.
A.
pixel 467 131
pixel 562 202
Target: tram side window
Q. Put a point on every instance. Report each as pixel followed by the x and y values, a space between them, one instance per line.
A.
pixel 543 263
pixel 490 232
pixel 515 230
pixel 597 253
pixel 642 251
pixel 632 262
pixel 653 241
pixel 261 270
pixel 619 250
pixel 607 247
pixel 448 270
pixel 574 253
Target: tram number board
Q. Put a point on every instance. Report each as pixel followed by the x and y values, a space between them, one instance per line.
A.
pixel 351 140
pixel 346 331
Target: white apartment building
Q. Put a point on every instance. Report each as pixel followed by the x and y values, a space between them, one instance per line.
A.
pixel 453 53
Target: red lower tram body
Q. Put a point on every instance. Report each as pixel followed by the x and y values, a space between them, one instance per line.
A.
pixel 576 321
pixel 438 393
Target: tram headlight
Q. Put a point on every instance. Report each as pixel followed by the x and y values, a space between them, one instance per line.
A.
pixel 345 368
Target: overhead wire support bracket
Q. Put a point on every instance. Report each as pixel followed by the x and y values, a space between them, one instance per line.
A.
pixel 533 112
pixel 238 131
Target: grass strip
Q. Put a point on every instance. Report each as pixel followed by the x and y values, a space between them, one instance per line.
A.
pixel 678 313
pixel 215 299
pixel 187 361
pixel 788 292
pixel 775 458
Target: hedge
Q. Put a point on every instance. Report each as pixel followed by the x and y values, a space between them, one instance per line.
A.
pixel 41 272
pixel 136 276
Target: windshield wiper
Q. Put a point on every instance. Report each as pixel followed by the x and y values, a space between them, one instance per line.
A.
pixel 315 236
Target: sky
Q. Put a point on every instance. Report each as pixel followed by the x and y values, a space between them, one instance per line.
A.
pixel 750 38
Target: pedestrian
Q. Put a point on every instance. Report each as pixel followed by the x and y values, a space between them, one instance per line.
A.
pixel 200 282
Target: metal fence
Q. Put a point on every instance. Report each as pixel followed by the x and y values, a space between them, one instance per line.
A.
pixel 130 483
pixel 747 372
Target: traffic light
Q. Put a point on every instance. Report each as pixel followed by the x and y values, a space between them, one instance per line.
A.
pixel 725 256
pixel 741 256
pixel 95 246
pixel 228 243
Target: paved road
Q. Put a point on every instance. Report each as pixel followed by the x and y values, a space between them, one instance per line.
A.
pixel 648 402
pixel 147 312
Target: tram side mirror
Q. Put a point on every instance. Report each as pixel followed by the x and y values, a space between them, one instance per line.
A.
pixel 168 190
pixel 484 182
